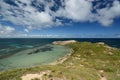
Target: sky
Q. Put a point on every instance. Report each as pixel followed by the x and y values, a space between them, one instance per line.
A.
pixel 59 18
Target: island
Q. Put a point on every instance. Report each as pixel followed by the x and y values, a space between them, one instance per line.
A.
pixel 87 61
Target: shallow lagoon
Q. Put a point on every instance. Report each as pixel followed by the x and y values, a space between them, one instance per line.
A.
pixel 33 56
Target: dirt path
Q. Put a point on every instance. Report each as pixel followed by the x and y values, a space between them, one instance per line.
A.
pixel 103 78
pixel 33 76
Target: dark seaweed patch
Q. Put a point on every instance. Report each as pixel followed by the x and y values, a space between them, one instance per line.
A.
pixel 43 49
pixel 10 53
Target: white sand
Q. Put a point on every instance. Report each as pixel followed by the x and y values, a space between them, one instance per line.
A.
pixel 64 42
pixel 33 76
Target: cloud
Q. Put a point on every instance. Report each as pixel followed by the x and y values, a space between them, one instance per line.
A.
pixel 6 30
pixel 26 30
pixel 107 15
pixel 77 10
pixel 37 14
pixel 26 15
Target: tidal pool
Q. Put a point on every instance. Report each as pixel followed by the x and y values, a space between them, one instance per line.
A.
pixel 33 57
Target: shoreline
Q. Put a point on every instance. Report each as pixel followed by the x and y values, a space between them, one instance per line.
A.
pixel 62 59
pixel 65 57
pixel 58 60
pixel 40 75
pixel 73 64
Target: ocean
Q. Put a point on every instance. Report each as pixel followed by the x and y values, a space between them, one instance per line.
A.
pixel 28 52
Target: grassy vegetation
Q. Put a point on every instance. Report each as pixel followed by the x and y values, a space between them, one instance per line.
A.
pixel 89 61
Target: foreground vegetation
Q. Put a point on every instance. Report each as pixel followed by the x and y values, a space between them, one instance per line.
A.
pixel 89 61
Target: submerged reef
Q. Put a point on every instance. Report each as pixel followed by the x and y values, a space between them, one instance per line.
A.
pixel 43 49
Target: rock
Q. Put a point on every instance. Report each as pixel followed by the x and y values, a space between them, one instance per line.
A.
pixel 101 43
pixel 101 71
pixel 63 42
pixel 110 53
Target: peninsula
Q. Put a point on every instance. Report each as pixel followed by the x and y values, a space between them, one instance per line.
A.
pixel 63 42
pixel 88 61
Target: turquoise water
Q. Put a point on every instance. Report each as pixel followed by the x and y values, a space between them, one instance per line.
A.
pixel 28 52
pixel 34 56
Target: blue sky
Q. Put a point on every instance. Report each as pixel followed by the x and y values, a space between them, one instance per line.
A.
pixel 60 18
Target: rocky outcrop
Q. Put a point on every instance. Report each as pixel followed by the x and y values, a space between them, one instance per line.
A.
pixel 63 42
pixel 101 43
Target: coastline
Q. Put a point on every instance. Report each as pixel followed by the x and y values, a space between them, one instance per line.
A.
pixel 47 72
pixel 62 59
pixel 90 61
pixel 65 57
pixel 39 58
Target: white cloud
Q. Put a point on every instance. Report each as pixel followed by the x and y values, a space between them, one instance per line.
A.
pixel 6 30
pixel 26 30
pixel 25 15
pixel 77 10
pixel 107 15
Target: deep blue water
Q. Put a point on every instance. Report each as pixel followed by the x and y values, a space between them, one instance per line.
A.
pixel 27 42
pixel 13 51
pixel 17 44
